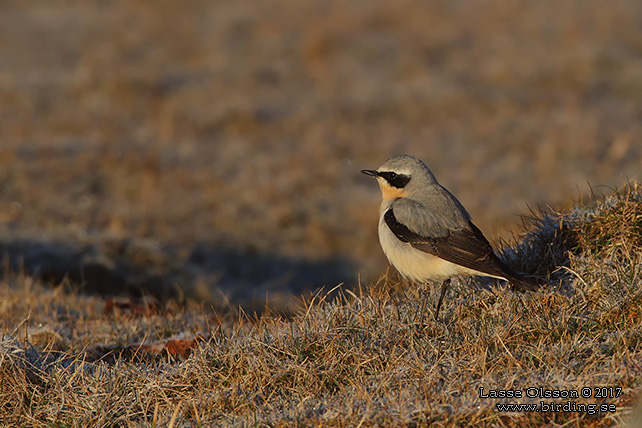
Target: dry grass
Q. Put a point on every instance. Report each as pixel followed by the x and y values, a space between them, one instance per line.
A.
pixel 209 151
pixel 241 127
pixel 363 358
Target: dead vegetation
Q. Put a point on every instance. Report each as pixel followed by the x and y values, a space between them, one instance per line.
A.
pixel 361 357
pixel 237 130
pixel 153 156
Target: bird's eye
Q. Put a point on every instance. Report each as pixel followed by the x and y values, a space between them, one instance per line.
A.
pixel 392 175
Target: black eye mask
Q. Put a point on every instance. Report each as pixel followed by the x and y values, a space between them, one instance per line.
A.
pixel 395 180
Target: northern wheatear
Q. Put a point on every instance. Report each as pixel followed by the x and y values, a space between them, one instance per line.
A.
pixel 427 234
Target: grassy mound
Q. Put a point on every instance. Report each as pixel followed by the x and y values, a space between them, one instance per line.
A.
pixel 361 358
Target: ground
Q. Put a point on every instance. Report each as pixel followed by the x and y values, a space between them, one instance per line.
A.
pixel 174 161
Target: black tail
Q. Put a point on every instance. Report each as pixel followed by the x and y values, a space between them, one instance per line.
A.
pixel 521 284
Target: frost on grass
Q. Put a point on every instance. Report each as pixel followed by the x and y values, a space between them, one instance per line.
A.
pixel 367 357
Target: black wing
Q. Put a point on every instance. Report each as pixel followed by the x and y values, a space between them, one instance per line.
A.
pixel 468 248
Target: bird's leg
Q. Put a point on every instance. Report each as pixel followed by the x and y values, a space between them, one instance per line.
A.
pixel 444 288
pixel 423 306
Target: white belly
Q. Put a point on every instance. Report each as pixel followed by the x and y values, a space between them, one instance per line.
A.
pixel 414 264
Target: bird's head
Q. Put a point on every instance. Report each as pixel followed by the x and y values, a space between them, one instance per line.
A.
pixel 401 176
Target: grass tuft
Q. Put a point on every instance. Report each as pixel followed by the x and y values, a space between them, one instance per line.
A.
pixel 347 358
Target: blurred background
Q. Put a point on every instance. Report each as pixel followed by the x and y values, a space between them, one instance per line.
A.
pixel 212 149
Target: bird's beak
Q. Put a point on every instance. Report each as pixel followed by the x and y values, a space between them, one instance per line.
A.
pixel 371 172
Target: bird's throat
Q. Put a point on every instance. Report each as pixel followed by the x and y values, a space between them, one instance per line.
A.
pixel 390 192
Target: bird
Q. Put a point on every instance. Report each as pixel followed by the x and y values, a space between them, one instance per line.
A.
pixel 427 234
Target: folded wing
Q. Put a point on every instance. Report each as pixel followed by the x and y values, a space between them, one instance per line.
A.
pixel 455 239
